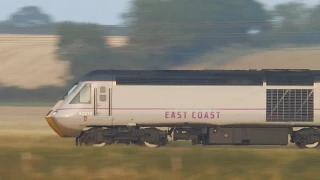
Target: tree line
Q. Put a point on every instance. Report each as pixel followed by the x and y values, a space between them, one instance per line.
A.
pixel 163 33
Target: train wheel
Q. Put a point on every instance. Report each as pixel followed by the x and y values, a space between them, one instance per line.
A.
pixel 99 145
pixel 312 145
pixel 307 138
pixel 92 137
pixel 304 146
pixel 151 145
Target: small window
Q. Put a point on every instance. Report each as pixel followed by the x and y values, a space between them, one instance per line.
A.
pixel 103 89
pixel 84 96
pixel 102 97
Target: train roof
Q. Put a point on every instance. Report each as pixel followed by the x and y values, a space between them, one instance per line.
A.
pixel 198 77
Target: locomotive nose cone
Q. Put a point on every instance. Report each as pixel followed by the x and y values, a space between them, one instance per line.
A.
pixel 53 125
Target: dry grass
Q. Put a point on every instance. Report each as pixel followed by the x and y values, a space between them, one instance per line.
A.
pixel 25 154
pixel 17 121
pixel 51 157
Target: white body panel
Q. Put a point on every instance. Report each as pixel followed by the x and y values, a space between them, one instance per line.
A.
pixel 227 104
pixel 162 104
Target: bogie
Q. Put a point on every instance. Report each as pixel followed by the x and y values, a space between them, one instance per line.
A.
pixel 151 137
pixel 306 138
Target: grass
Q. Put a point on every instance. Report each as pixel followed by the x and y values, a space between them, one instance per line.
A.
pixel 51 157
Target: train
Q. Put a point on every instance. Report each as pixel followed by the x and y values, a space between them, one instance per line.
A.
pixel 205 107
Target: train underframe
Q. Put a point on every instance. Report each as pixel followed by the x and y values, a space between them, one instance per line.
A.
pixel 152 137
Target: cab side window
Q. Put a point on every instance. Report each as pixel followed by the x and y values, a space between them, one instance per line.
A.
pixel 84 96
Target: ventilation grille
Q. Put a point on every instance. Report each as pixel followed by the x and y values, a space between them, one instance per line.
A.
pixel 285 105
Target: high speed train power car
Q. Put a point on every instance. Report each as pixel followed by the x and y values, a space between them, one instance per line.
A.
pixel 209 107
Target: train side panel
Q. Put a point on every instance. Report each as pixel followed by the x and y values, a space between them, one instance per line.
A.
pixel 216 105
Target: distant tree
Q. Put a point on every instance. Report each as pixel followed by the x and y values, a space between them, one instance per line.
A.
pixel 29 16
pixel 292 15
pixel 83 44
pixel 182 26
pixel 314 21
pixel 86 36
pixel 292 22
pixel 313 25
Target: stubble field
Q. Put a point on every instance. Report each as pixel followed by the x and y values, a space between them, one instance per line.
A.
pixel 30 61
pixel 29 149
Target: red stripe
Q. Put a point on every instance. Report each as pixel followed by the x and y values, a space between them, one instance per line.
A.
pixel 163 109
pixel 146 109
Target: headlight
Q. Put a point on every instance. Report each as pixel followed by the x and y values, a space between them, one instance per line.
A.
pixel 54 113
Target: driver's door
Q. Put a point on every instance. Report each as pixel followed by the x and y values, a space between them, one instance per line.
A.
pixel 104 100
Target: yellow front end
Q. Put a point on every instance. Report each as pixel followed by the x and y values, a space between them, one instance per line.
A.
pixel 54 126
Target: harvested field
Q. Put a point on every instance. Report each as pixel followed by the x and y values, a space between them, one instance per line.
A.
pixel 293 59
pixel 29 61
